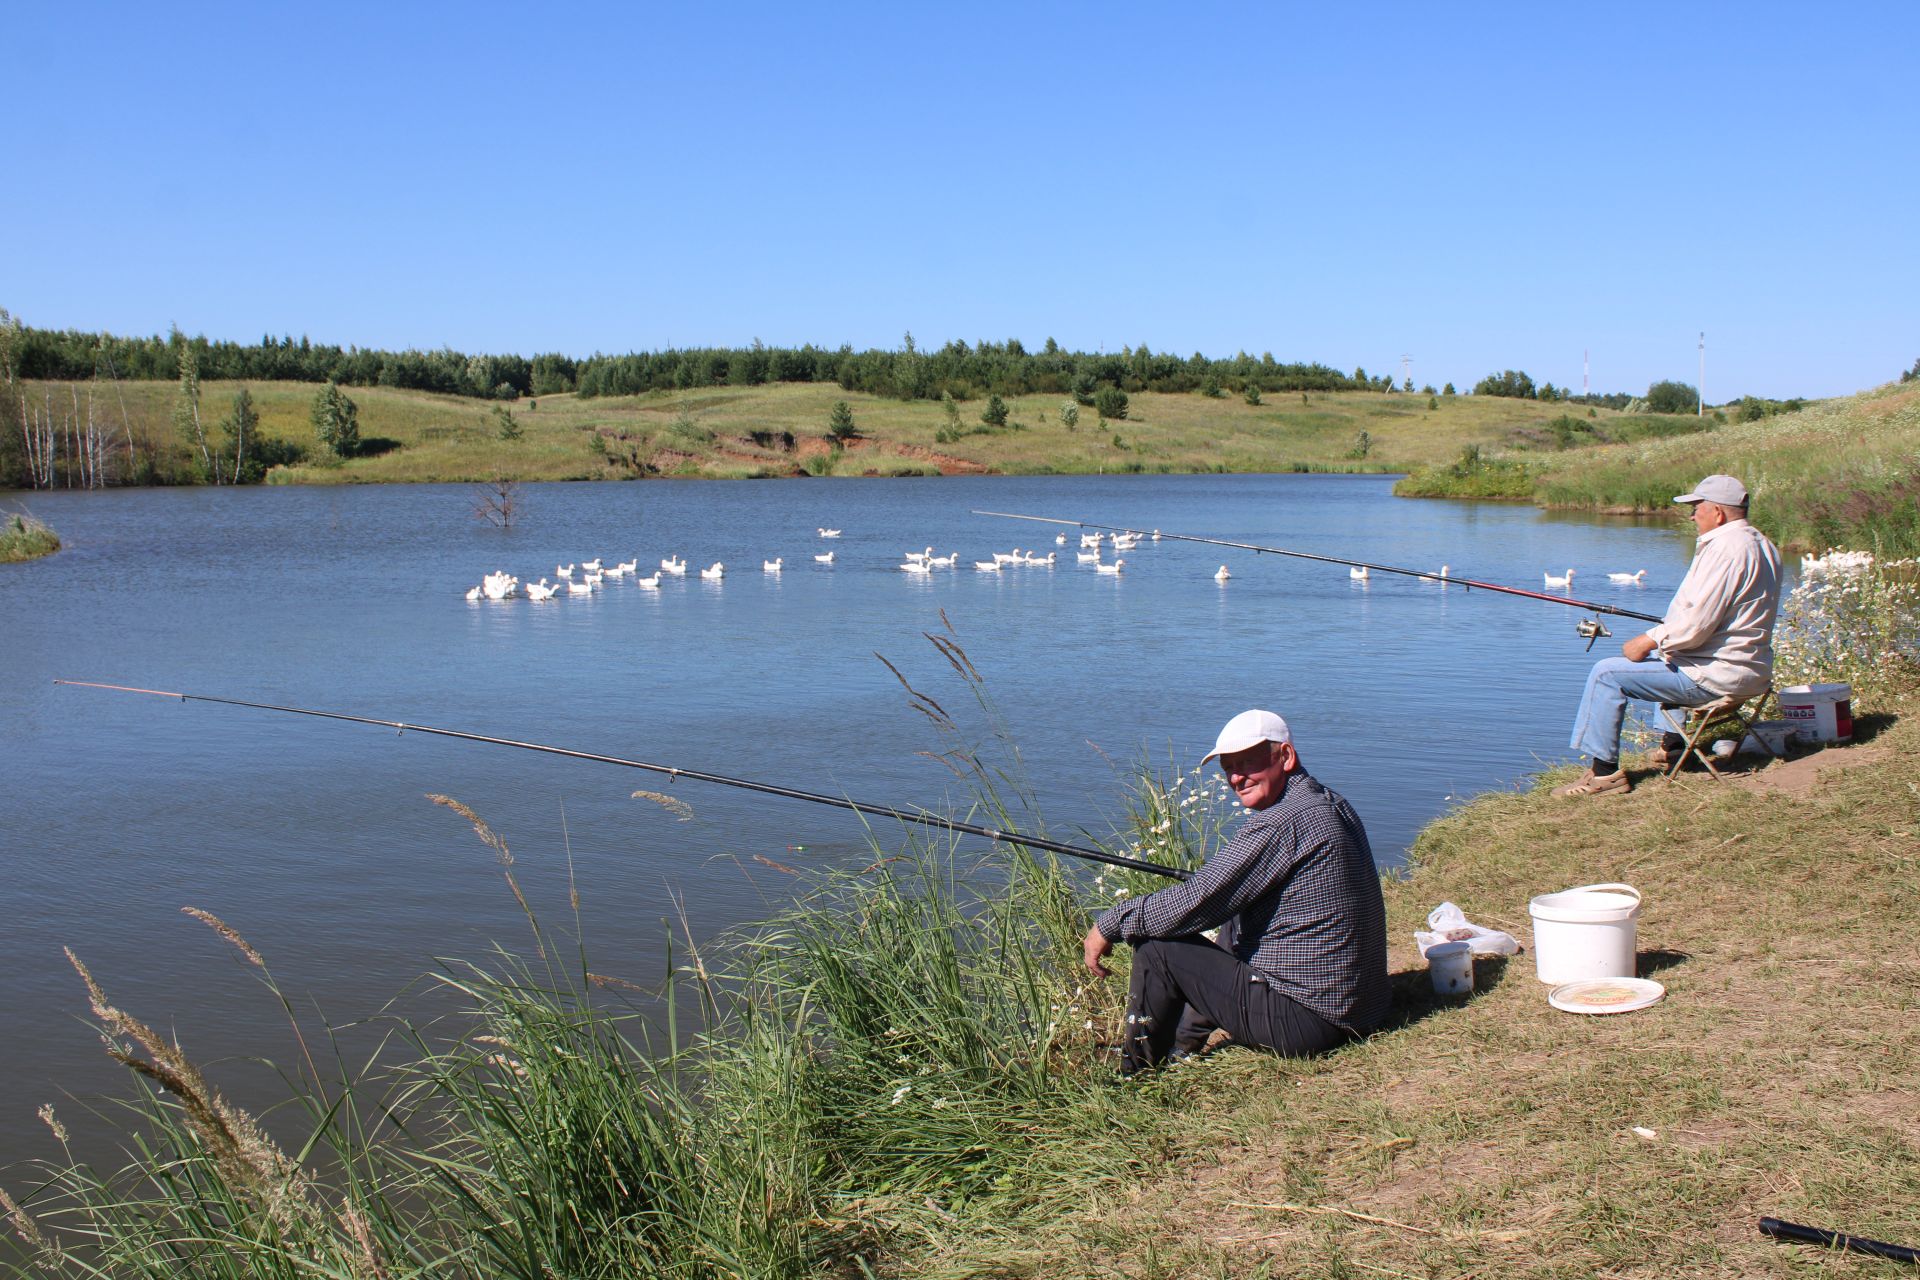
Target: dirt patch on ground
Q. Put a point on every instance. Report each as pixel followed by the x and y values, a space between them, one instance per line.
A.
pixel 1800 777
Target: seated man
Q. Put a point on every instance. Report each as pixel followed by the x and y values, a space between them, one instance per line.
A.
pixel 1715 641
pixel 1303 965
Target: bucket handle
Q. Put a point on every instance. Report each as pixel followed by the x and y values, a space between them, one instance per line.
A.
pixel 1608 888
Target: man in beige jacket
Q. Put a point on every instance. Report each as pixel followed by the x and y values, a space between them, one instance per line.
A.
pixel 1715 641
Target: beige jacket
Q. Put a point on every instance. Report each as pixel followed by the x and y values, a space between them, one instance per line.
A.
pixel 1719 628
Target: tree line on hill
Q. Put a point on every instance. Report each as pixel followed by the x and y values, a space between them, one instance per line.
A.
pixel 962 370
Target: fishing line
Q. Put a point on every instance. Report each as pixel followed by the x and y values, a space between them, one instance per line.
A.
pixel 1469 583
pixel 921 817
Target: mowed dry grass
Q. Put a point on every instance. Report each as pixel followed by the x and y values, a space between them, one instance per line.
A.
pixel 1497 1136
pixel 711 432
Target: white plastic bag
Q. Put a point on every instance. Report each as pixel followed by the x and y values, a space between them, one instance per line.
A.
pixel 1450 924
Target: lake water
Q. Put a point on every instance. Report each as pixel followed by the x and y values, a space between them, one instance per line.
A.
pixel 313 838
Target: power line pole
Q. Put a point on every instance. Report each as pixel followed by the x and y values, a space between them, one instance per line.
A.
pixel 1586 386
pixel 1701 409
pixel 1406 370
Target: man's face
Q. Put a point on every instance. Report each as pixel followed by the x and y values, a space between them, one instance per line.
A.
pixel 1707 516
pixel 1258 775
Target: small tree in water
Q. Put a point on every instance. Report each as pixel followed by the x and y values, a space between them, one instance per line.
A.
pixel 497 502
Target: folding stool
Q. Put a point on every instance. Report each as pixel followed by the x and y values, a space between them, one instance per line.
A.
pixel 1691 723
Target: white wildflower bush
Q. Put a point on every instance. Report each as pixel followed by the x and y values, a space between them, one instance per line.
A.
pixel 1854 618
pixel 1173 819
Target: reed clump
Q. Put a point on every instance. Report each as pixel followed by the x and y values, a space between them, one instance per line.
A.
pixel 24 538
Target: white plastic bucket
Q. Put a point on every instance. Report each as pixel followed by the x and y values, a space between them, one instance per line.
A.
pixel 1586 932
pixel 1820 712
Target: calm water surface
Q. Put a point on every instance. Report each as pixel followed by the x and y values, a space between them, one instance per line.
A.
pixel 313 838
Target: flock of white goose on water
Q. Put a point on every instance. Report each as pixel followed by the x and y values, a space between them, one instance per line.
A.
pixel 588 576
pixel 593 575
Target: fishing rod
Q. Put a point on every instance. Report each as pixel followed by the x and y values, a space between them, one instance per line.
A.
pixel 1590 629
pixel 921 817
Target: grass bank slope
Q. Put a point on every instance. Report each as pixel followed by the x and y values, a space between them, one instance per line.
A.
pixel 1843 472
pixel 782 429
pixel 1496 1136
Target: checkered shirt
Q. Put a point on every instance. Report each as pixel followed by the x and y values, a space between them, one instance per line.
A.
pixel 1299 876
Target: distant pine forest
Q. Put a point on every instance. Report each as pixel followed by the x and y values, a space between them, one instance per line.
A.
pixel 962 370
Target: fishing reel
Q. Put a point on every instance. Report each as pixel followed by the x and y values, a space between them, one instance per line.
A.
pixel 1590 629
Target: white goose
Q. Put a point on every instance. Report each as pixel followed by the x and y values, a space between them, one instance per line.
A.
pixel 591 566
pixel 1221 575
pixel 987 566
pixel 772 566
pixel 473 593
pixel 715 573
pixel 1045 561
pixel 1156 535
pixel 1088 557
pixel 1059 539
pixel 1109 568
pixel 652 584
pixel 579 589
pixel 1090 539
pixel 563 571
pixel 825 559
pixel 1559 582
pixel 827 533
pixel 678 568
pixel 916 566
pixel 946 561
pixel 498 586
pixel 622 569
pixel 1001 557
pixel 540 591
pixel 1357 572
pixel 919 557
pixel 593 579
pixel 1626 577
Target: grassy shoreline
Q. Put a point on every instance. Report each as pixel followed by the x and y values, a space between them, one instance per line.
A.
pixel 1838 472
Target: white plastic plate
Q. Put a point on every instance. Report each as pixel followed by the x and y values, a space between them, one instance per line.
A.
pixel 1606 995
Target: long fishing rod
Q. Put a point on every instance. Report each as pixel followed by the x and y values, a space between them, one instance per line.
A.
pixel 1469 583
pixel 765 788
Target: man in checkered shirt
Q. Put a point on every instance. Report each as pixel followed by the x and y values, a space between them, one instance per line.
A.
pixel 1301 964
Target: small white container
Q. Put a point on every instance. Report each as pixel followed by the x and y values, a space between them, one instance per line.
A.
pixel 1450 965
pixel 1587 932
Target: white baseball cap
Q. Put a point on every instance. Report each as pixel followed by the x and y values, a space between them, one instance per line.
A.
pixel 1249 729
pixel 1724 490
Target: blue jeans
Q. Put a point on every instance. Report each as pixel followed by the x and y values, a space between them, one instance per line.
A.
pixel 1596 729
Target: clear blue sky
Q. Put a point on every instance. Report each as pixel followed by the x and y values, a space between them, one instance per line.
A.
pixel 1481 187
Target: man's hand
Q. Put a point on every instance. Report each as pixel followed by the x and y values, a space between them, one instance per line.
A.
pixel 1637 649
pixel 1097 948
